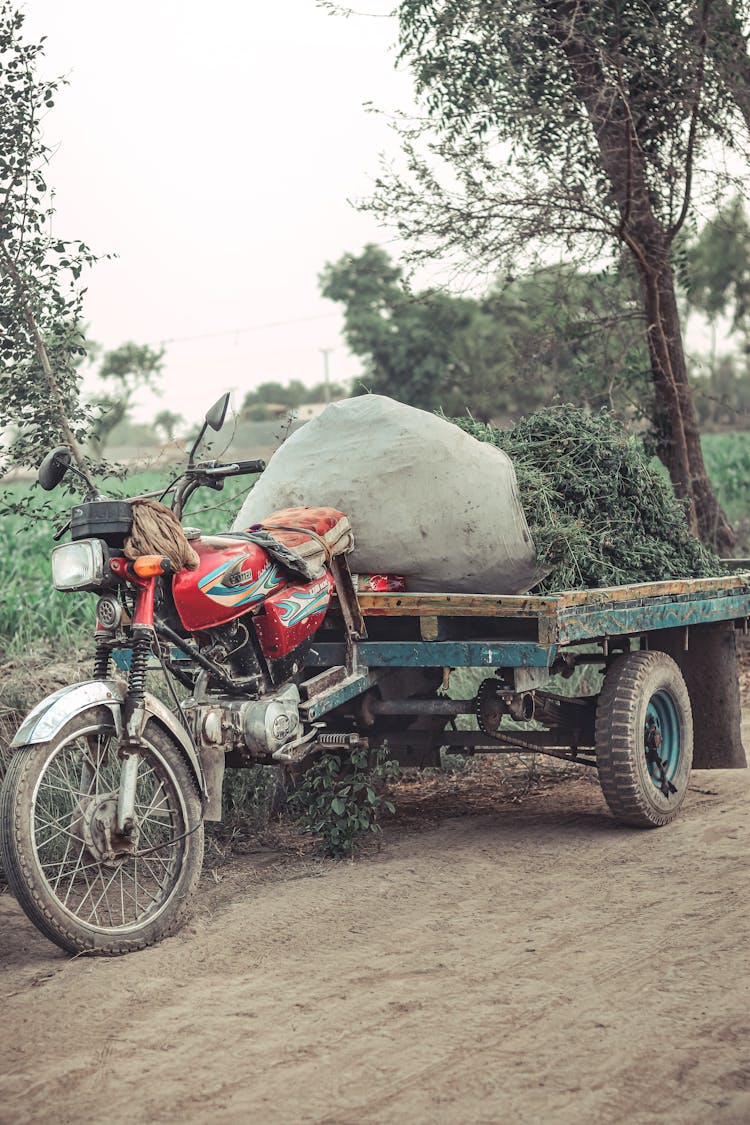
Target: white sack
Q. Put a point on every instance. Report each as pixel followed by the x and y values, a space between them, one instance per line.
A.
pixel 425 499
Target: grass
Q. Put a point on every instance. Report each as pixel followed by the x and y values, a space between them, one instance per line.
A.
pixel 599 511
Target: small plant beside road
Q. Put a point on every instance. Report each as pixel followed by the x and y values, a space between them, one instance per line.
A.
pixel 339 799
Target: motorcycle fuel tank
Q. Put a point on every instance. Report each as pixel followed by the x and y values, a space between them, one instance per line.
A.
pixel 232 578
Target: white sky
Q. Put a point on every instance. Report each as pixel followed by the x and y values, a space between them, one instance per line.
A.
pixel 214 149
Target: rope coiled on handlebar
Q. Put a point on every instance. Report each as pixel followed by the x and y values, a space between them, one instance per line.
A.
pixel 156 530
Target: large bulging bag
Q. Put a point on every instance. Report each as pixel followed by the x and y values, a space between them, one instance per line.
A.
pixel 424 499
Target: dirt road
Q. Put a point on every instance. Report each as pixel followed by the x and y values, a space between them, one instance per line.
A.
pixel 537 964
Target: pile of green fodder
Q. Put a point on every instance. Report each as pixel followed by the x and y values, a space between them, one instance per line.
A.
pixel 601 513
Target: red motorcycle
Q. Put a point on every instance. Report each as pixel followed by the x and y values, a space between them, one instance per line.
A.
pixel 102 809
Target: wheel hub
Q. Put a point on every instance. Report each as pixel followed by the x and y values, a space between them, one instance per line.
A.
pixel 658 755
pixel 106 844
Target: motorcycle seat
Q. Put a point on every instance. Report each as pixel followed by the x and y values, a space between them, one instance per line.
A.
pixel 315 534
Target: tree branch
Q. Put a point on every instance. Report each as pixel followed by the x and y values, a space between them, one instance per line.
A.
pixel 702 42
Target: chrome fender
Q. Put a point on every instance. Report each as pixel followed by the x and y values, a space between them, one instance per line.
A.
pixel 50 716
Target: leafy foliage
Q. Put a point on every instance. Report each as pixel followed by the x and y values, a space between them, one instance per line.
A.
pixel 599 511
pixel 548 80
pixel 338 799
pixel 728 460
pixel 718 266
pixel 31 610
pixel 40 298
pixel 722 394
pixel 408 341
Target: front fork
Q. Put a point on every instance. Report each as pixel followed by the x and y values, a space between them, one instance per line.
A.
pixel 130 742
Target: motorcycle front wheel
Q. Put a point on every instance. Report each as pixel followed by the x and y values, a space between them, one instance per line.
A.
pixel 87 887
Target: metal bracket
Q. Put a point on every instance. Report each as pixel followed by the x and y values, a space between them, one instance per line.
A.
pixel 356 630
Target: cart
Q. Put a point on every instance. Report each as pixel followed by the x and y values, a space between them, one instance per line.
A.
pixel 661 657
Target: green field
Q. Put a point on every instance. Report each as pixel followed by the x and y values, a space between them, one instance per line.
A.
pixel 727 458
pixel 34 615
pixel 32 612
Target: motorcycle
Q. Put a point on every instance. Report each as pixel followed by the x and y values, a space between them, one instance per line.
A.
pixel 103 807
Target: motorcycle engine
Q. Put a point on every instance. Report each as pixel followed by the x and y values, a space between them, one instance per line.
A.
pixel 268 724
pixel 254 727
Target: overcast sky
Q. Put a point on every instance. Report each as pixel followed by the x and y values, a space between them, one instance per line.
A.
pixel 214 149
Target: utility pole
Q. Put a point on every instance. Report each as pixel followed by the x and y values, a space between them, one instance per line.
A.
pixel 325 352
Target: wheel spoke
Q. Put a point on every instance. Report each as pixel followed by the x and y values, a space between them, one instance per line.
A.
pixel 79 868
pixel 104 897
pixel 62 830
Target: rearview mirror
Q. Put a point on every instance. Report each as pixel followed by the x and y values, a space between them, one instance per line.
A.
pixel 54 467
pixel 218 412
pixel 213 418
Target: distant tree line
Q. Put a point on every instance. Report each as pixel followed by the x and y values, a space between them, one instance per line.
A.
pixel 263 402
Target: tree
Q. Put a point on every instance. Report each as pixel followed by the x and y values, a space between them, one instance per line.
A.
pixel 126 369
pixel 573 124
pixel 557 332
pixel 167 421
pixel 553 332
pixel 718 267
pixel 729 53
pixel 279 394
pixel 42 340
pixel 716 278
pixel 407 341
pixel 723 395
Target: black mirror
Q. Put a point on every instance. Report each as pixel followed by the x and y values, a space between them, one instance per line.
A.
pixel 218 412
pixel 54 467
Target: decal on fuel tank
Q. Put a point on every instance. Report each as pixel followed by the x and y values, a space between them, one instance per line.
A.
pixel 301 605
pixel 213 587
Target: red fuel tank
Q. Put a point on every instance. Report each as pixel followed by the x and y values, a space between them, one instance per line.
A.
pixel 233 577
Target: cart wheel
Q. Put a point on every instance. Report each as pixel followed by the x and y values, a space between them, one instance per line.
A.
pixel 644 739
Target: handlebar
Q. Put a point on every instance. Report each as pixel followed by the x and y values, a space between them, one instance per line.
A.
pixel 233 469
pixel 239 468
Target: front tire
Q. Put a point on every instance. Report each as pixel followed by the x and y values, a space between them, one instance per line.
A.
pixel 87 889
pixel 644 739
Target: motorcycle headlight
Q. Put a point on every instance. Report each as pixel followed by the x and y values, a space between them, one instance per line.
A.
pixel 78 566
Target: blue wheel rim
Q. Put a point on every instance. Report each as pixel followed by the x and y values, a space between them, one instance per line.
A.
pixel 661 714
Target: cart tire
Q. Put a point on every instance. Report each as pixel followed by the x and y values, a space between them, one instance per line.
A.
pixel 644 692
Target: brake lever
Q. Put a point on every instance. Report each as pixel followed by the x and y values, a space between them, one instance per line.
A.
pixel 59 534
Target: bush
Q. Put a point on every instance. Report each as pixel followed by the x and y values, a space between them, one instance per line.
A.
pixel 338 799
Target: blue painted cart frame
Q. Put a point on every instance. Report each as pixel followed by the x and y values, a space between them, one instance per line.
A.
pixel 693 620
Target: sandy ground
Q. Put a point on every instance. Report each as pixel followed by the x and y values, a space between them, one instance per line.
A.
pixel 536 963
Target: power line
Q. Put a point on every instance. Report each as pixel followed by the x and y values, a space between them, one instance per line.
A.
pixel 242 331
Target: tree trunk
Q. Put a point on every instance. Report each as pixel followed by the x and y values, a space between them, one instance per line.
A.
pixel 649 242
pixel 681 450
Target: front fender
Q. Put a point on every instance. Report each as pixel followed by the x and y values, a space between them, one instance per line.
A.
pixel 50 716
